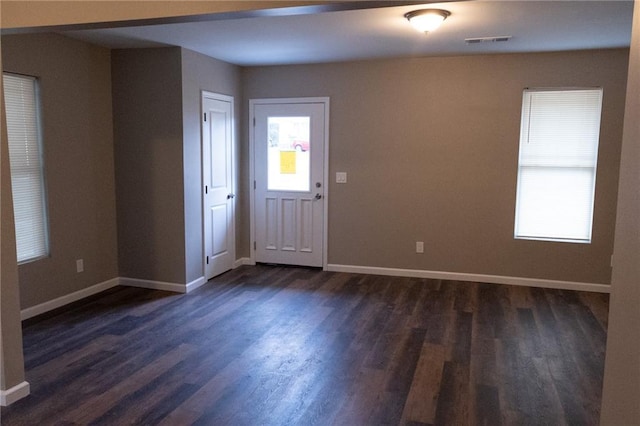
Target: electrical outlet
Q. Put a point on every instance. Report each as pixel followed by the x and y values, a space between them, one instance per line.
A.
pixel 341 177
pixel 419 247
pixel 79 265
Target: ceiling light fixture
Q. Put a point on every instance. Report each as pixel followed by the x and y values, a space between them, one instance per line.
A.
pixel 425 20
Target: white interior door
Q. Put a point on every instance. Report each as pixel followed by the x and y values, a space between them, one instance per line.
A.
pixel 218 187
pixel 289 189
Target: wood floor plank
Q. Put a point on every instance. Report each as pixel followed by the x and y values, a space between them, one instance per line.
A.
pixel 364 398
pixel 106 400
pixel 487 406
pixel 422 400
pixel 279 345
pixel 453 401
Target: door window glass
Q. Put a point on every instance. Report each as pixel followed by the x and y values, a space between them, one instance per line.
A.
pixel 288 154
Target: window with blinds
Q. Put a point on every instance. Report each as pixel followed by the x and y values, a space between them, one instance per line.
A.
pixel 26 163
pixel 557 165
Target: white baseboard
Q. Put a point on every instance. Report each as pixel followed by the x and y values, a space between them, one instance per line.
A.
pixel 162 285
pixel 69 298
pixel 9 396
pixel 417 273
pixel 94 289
pixel 195 284
pixel 492 279
pixel 243 261
pixel 154 285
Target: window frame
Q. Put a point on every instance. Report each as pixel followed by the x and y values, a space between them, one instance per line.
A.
pixel 43 248
pixel 592 168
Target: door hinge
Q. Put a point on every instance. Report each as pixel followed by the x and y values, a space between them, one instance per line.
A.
pixel 254 245
pixel 206 189
pixel 254 122
pixel 205 116
pixel 207 260
pixel 254 184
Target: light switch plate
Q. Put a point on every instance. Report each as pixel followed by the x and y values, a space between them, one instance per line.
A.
pixel 341 177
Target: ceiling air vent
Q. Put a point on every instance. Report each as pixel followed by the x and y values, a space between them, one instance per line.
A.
pixel 476 40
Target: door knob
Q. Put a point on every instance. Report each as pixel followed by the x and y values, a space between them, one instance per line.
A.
pixel 317 197
pixel 230 196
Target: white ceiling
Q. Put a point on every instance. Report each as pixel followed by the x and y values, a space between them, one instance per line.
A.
pixel 535 26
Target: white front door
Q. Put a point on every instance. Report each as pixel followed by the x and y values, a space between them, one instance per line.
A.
pixel 289 139
pixel 218 188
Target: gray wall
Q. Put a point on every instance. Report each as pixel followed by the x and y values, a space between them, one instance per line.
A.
pixel 156 95
pixel 157 160
pixel 621 393
pixel 431 150
pixel 147 105
pixel 200 73
pixel 75 85
pixel 435 145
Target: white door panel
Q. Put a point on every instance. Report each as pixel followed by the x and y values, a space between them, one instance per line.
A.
pixel 219 240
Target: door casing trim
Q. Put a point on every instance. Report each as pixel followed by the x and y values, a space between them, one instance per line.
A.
pixel 252 174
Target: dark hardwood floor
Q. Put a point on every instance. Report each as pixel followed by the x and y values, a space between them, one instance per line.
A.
pixel 283 345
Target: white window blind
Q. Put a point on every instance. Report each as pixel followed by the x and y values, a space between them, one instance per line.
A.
pixel 557 165
pixel 25 156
